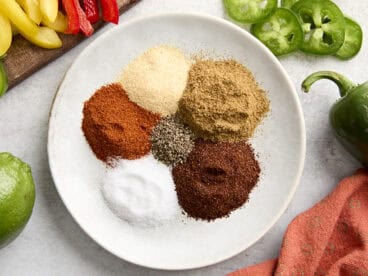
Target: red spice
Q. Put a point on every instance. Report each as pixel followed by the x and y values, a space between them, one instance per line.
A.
pixel 115 127
pixel 216 179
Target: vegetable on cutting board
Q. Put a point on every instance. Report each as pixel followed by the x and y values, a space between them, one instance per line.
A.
pixel 281 32
pixel 110 11
pixel 250 11
pixel 77 19
pixel 6 35
pixel 49 9
pixel 84 24
pixel 18 17
pixel 91 10
pixel 38 21
pixel 348 116
pixel 60 25
pixel 46 38
pixel 3 79
pixel 14 30
pixel 73 17
pixel 32 9
pixel 40 36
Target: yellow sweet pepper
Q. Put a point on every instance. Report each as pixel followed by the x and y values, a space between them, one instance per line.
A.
pixel 45 38
pixel 32 9
pixel 18 17
pixel 6 34
pixel 14 30
pixel 49 9
pixel 60 24
pixel 40 36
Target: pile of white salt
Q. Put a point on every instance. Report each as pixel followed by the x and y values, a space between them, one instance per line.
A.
pixel 141 192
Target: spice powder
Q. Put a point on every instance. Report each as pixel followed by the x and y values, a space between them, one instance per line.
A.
pixel 172 141
pixel 222 101
pixel 115 127
pixel 216 179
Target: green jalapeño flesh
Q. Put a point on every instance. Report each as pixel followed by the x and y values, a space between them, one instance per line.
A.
pixel 281 32
pixel 353 40
pixel 323 24
pixel 250 11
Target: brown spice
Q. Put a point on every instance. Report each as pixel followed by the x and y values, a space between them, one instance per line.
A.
pixel 222 101
pixel 216 178
pixel 115 127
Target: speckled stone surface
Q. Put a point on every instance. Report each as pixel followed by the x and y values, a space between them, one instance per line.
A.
pixel 53 244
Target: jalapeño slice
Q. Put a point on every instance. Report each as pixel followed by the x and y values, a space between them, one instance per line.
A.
pixel 288 3
pixel 281 32
pixel 250 11
pixel 323 25
pixel 353 40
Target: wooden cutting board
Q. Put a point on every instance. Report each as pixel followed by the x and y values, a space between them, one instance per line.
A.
pixel 23 59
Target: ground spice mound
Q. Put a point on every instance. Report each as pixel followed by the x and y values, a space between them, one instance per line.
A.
pixel 115 127
pixel 156 79
pixel 222 101
pixel 216 178
pixel 172 141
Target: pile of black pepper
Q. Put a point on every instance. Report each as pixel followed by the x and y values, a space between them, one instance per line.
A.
pixel 172 141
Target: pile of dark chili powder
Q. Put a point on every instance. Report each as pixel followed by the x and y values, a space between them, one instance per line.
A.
pixel 216 179
pixel 205 144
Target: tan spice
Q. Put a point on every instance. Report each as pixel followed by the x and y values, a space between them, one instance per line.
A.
pixel 156 79
pixel 222 101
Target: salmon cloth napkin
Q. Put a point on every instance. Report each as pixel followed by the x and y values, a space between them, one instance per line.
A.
pixel 331 238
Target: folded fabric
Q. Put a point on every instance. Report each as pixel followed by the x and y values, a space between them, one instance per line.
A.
pixel 329 239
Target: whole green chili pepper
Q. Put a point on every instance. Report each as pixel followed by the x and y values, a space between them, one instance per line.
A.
pixel 349 115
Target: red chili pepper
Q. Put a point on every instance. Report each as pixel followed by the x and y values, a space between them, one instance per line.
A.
pixel 84 24
pixel 110 11
pixel 73 16
pixel 91 10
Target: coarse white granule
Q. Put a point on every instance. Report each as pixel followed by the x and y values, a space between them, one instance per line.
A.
pixel 157 79
pixel 141 192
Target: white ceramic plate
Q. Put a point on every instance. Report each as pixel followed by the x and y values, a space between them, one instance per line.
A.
pixel 184 243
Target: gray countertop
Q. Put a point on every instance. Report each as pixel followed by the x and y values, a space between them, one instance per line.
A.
pixel 53 244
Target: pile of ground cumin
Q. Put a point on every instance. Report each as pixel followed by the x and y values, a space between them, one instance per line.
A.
pixel 222 101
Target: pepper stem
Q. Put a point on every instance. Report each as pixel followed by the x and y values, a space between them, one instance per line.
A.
pixel 344 84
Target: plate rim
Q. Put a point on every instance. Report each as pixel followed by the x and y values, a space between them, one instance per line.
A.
pixel 267 52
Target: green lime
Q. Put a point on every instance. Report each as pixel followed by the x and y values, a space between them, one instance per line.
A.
pixel 17 196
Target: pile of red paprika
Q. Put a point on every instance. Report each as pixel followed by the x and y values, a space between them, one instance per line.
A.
pixel 81 18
